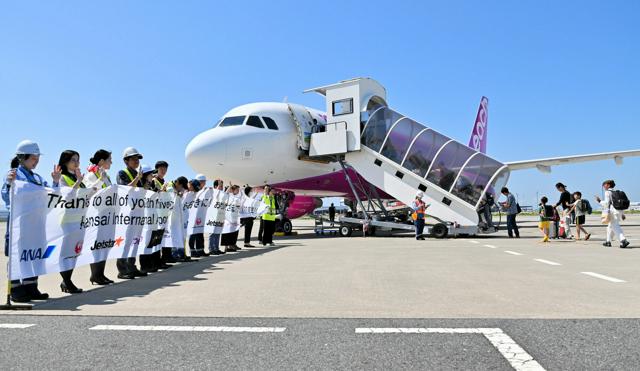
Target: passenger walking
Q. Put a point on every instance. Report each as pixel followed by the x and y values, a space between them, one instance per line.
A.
pixel 419 213
pixel 269 217
pixel 196 240
pixel 581 208
pixel 546 213
pixel 611 215
pixel 131 176
pixel 230 240
pixel 69 165
pixel 484 209
pixel 511 207
pixel 247 222
pixel 564 202
pixel 214 238
pixel 97 178
pixel 27 158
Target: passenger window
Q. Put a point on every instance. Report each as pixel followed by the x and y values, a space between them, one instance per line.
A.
pixel 270 123
pixel 255 122
pixel 232 121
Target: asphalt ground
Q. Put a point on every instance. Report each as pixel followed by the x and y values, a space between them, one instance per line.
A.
pixel 567 304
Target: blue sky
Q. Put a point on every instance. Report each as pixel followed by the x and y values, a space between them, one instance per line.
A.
pixel 562 77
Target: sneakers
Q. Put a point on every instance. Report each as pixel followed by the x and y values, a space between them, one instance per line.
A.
pixel 624 244
pixel 545 239
pixel 606 244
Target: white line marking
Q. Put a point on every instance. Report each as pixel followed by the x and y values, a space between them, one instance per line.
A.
pixel 491 246
pixel 188 328
pixel 512 252
pixel 547 262
pixel 472 241
pixel 603 277
pixel 516 356
pixel 16 325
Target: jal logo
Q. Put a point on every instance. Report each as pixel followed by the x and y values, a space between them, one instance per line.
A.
pixel 78 248
pixel 37 254
pixel 198 221
pixel 481 125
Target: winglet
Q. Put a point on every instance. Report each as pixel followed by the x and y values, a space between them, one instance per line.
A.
pixel 478 140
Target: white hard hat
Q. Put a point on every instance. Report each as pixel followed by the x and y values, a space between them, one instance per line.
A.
pixel 130 152
pixel 420 194
pixel 147 169
pixel 28 147
pixel 201 178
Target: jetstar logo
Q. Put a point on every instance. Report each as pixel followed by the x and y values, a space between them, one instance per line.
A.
pixel 37 254
pixel 107 244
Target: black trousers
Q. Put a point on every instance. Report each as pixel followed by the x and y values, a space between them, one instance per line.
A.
pixel 269 230
pixel 248 226
pixel 97 270
pixel 126 265
pixel 261 230
pixel 512 226
pixel 196 244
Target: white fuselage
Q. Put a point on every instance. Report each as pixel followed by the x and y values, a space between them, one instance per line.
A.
pixel 249 155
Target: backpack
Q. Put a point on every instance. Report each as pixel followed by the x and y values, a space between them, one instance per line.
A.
pixel 518 208
pixel 548 212
pixel 586 206
pixel 619 200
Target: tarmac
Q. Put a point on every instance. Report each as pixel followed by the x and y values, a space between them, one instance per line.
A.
pixel 329 302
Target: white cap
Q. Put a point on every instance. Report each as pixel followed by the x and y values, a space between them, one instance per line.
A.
pixel 420 194
pixel 130 152
pixel 28 147
pixel 201 178
pixel 147 169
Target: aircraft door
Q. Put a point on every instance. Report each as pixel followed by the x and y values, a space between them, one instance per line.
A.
pixel 304 124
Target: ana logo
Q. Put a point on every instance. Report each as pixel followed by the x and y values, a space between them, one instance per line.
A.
pixel 36 254
pixel 78 248
pixel 198 221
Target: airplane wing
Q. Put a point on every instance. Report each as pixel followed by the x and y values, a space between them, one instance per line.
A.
pixel 544 165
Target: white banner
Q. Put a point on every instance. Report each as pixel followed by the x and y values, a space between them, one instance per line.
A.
pixel 54 230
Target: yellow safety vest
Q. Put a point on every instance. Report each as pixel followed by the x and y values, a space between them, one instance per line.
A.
pixel 270 215
pixel 70 182
pixel 100 178
pixel 129 174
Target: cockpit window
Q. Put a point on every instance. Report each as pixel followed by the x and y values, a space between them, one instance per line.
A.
pixel 270 123
pixel 255 122
pixel 232 121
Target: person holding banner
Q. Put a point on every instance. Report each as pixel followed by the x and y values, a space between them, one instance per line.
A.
pixel 214 238
pixel 153 261
pixel 269 217
pixel 196 240
pixel 27 156
pixel 97 178
pixel 229 240
pixel 161 185
pixel 69 164
pixel 131 177
pixel 247 222
pixel 179 186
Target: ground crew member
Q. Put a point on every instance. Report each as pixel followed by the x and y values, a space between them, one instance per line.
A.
pixel 161 185
pixel 269 217
pixel 419 208
pixel 69 164
pixel 27 158
pixel 130 176
pixel 97 177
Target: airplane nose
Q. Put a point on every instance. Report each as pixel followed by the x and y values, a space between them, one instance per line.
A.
pixel 206 152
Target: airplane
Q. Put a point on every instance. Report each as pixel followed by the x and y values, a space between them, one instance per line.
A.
pixel 263 143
